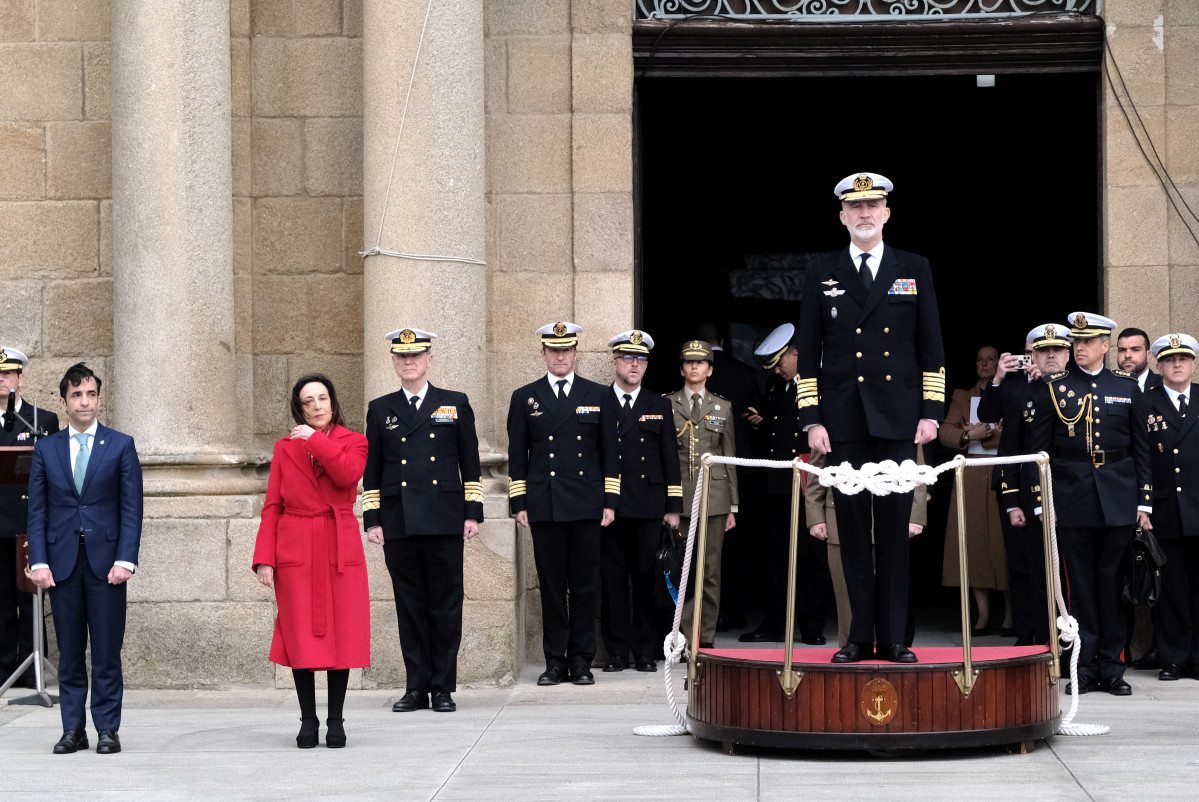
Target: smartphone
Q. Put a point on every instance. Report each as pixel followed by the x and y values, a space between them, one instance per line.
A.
pixel 1024 362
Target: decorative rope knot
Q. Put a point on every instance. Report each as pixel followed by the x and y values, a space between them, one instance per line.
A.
pixel 878 478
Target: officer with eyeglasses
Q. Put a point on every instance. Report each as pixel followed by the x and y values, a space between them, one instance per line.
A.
pixel 651 491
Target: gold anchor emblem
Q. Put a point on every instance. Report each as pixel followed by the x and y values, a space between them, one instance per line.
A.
pixel 407 336
pixel 862 183
pixel 560 329
pixel 635 338
pixel 879 702
pixel 1175 341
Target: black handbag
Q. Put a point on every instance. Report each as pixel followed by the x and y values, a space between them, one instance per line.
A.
pixel 672 548
pixel 1143 575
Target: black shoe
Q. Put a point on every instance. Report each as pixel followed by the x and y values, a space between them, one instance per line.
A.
pixel 71 741
pixel 1025 640
pixel 335 735
pixel 307 738
pixel 412 700
pixel 553 675
pixel 760 635
pixel 1148 661
pixel 1085 685
pixel 854 653
pixel 896 653
pixel 1116 686
pixel 1170 672
pixel 107 742
pixel 646 664
pixel 707 644
pixel 813 640
pixel 443 703
pixel 614 665
pixel 581 675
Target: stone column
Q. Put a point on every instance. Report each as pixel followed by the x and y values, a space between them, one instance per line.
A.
pixel 435 204
pixel 172 191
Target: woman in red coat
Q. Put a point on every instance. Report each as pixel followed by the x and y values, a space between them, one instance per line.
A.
pixel 309 551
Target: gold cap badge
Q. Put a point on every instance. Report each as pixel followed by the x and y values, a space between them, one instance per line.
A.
pixel 863 183
pixel 3 355
pixel 559 329
pixel 1175 342
pixel 407 336
pixel 635 338
pixel 1080 320
pixel 1050 331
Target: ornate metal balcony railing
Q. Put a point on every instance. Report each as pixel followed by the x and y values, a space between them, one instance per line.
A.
pixel 856 10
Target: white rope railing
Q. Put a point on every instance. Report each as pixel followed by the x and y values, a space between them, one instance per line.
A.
pixel 879 478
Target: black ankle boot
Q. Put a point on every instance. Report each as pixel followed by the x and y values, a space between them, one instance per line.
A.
pixel 307 739
pixel 335 736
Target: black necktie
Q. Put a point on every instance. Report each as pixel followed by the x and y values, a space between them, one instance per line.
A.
pixel 628 402
pixel 864 272
pixel 561 388
pixel 414 400
pixel 1182 405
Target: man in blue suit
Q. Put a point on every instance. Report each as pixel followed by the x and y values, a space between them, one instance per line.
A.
pixel 85 523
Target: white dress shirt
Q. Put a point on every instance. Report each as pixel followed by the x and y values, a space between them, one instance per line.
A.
pixel 1175 395
pixel 569 378
pixel 620 394
pixel 873 262
pixel 420 395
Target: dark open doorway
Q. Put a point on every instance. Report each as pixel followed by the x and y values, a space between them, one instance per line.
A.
pixel 998 186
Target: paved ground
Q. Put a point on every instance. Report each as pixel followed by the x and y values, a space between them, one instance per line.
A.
pixel 568 743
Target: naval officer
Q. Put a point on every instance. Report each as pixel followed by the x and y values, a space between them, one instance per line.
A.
pixel 422 499
pixel 871 388
pixel 564 485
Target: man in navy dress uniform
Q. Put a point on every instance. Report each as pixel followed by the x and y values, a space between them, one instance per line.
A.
pixel 1102 489
pixel 651 491
pixel 16 606
pixel 85 527
pixel 1167 412
pixel 564 485
pixel 422 499
pixel 871 387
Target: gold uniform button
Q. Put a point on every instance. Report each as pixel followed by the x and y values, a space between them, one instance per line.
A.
pixel 859 354
pixel 642 476
pixel 403 484
pixel 886 331
pixel 861 378
pixel 403 462
pixel 432 459
pixel 857 331
pixel 580 454
pixel 793 451
pixel 1177 470
pixel 1176 451
pixel 578 437
pixel 403 439
pixel 1096 434
pixel 643 439
pixel 553 474
pixel 888 378
pixel 431 435
pixel 1179 489
pixel 434 481
pixel 580 473
pixel 643 459
pixel 551 455
pixel 886 353
pixel 551 438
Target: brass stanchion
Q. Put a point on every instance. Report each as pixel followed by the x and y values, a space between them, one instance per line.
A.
pixel 1048 525
pixel 788 678
pixel 698 580
pixel 964 678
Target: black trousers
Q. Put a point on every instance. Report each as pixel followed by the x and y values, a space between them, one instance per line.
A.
pixel 631 621
pixel 1026 575
pixel 813 583
pixel 567 554
pixel 87 608
pixel 16 613
pixel 1176 615
pixel 1094 577
pixel 426 576
pixel 875 578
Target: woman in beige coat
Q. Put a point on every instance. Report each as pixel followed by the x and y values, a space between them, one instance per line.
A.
pixel 987 558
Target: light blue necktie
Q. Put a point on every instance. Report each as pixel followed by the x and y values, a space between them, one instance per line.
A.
pixel 81 461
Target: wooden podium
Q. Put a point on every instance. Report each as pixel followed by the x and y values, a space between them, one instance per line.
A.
pixel 15 462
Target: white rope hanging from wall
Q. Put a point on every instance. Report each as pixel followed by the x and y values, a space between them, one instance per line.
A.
pixel 879 479
pixel 377 249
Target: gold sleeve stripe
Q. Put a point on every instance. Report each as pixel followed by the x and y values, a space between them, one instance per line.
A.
pixel 474 495
pixel 473 485
pixel 612 486
pixel 517 488
pixel 674 490
pixel 934 397
pixel 370 493
pixel 369 505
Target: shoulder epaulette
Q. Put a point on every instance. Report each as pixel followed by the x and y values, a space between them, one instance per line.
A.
pixel 1123 374
pixel 1060 375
